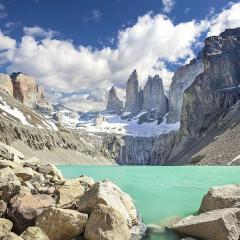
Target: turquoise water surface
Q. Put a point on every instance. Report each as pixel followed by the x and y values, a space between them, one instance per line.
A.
pixel 161 193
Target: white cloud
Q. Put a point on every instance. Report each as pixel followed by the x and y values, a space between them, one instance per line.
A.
pixel 228 18
pixel 168 5
pixel 38 32
pixel 148 46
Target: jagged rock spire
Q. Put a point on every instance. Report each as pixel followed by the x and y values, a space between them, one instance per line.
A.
pixel 133 102
pixel 154 97
pixel 114 105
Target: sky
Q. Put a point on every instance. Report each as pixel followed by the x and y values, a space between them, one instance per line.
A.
pixel 78 49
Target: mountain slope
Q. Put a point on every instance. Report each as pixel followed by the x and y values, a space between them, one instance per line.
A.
pixel 35 135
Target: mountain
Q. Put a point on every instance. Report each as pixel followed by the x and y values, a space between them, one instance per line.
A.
pixel 133 104
pixel 114 105
pixel 38 135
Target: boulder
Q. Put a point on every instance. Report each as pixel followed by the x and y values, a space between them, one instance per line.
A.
pixel 5 226
pixel 221 197
pixel 61 224
pixel 10 153
pixel 114 104
pixel 111 195
pixel 106 223
pixel 218 224
pixel 86 181
pixel 25 173
pixel 69 193
pixel 25 207
pixel 9 184
pixel 33 233
pixel 50 169
pixel 10 164
pixel 33 163
pixel 3 207
pixel 11 236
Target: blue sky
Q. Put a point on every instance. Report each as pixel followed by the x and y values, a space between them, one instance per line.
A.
pixel 77 49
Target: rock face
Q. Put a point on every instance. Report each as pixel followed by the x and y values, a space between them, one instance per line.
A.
pixel 221 225
pixel 61 223
pixel 182 79
pixel 221 197
pixel 217 88
pixel 154 97
pixel 6 83
pixel 134 98
pixel 28 92
pixel 114 105
pixel 106 223
pixel 109 194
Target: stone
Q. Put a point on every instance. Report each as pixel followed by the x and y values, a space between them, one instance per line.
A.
pixel 3 207
pixel 5 226
pixel 154 96
pixel 50 169
pixel 69 193
pixel 25 173
pixel 218 224
pixel 106 223
pixel 6 84
pixel 25 207
pixel 10 153
pixel 34 233
pixel 86 181
pixel 11 236
pixel 61 224
pixel 111 195
pixel 10 164
pixel 227 196
pixel 33 163
pixel 9 184
pixel 134 98
pixel 114 104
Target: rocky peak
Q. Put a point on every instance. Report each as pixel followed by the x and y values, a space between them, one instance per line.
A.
pixel 6 83
pixel 114 104
pixel 27 91
pixel 154 97
pixel 133 103
pixel 182 79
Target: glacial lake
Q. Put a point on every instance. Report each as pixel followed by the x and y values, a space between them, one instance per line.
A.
pixel 161 193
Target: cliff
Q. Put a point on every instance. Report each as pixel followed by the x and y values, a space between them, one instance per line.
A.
pixel 114 104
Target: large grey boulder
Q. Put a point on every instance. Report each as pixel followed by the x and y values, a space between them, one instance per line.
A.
pixel 61 224
pixel 106 223
pixel 221 197
pixel 5 226
pixel 32 233
pixel 25 207
pixel 134 98
pixel 114 104
pixel 111 195
pixel 154 97
pixel 218 224
pixel 182 79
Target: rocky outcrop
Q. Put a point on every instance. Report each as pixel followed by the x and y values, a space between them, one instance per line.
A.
pixel 6 83
pixel 221 197
pixel 26 90
pixel 106 223
pixel 221 225
pixel 61 224
pixel 154 97
pixel 182 79
pixel 134 96
pixel 114 104
pixel 110 212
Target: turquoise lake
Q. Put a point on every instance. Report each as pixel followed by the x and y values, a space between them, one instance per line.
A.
pixel 160 193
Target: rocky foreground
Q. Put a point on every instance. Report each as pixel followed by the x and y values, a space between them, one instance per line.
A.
pixel 219 217
pixel 36 202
